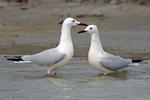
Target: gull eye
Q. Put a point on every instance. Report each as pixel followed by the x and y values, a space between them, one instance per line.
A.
pixel 91 28
pixel 73 21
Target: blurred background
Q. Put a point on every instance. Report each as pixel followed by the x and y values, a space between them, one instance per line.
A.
pixel 30 26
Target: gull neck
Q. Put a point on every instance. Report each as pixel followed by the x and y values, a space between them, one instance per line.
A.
pixel 65 35
pixel 95 42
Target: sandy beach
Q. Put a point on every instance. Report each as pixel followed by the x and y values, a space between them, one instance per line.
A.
pixel 124 28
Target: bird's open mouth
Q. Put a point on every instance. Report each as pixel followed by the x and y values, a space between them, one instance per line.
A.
pixel 82 31
pixel 83 24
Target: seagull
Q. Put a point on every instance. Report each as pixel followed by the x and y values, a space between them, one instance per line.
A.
pixel 54 58
pixel 102 60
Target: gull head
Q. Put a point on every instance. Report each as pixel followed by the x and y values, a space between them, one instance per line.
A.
pixel 72 22
pixel 89 29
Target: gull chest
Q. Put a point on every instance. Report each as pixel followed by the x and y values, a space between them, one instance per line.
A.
pixel 93 58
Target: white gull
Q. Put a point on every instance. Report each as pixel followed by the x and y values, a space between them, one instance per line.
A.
pixel 102 60
pixel 55 57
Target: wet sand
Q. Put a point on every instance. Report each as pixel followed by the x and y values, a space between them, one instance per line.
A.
pixel 75 81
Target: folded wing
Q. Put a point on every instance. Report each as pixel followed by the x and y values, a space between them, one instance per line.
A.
pixel 114 63
pixel 45 58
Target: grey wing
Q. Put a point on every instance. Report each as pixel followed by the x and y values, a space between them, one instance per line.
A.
pixel 114 63
pixel 45 58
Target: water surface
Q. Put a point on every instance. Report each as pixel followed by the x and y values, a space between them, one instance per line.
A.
pixel 75 81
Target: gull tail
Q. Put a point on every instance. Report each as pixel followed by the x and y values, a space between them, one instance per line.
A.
pixel 136 61
pixel 14 58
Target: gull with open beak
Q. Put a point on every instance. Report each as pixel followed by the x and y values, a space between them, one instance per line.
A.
pixel 100 59
pixel 55 57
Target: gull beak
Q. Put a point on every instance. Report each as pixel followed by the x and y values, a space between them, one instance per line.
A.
pixel 82 31
pixel 82 24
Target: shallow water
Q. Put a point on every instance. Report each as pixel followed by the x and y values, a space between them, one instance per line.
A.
pixel 75 81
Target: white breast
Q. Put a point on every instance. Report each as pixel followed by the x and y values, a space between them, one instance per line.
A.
pixel 69 51
pixel 94 60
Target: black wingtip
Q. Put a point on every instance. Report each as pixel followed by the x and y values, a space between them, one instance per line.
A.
pixel 136 61
pixel 14 58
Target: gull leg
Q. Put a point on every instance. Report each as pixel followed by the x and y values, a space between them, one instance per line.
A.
pixel 55 73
